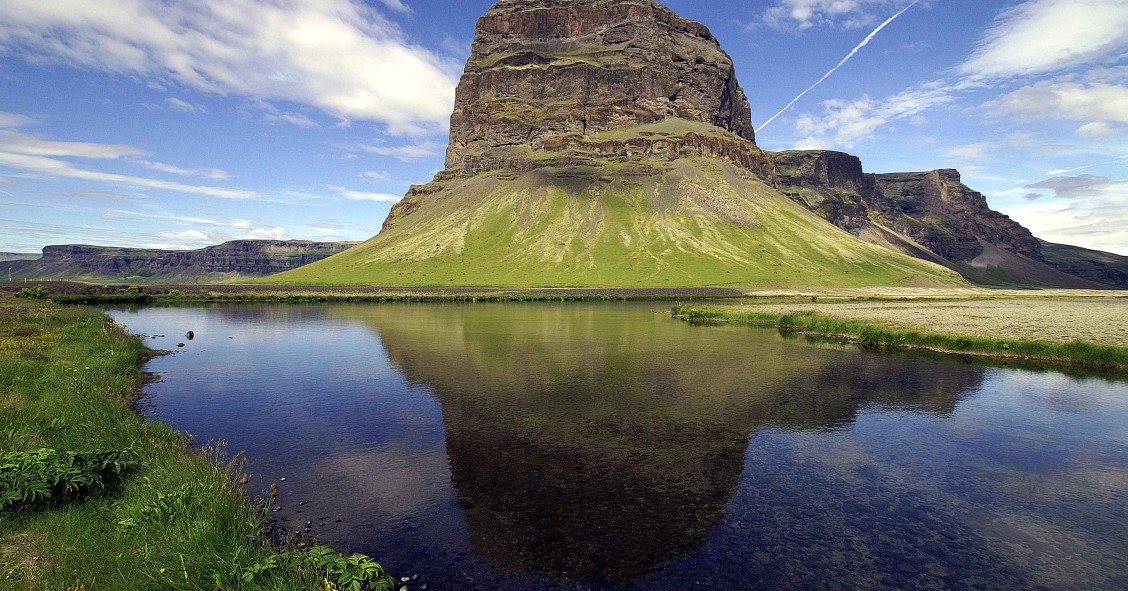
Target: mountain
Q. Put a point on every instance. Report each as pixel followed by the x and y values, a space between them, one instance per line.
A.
pixel 230 260
pixel 605 143
pixel 933 216
pixel 1094 265
pixel 18 256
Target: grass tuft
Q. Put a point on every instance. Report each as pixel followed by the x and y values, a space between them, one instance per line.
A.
pixel 872 335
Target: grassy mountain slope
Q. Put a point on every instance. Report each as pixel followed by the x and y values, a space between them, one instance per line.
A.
pixel 650 222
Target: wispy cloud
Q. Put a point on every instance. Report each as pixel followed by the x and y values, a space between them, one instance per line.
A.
pixel 14 120
pixel 1097 129
pixel 208 173
pixel 1085 185
pixel 1064 100
pixel 376 175
pixel 1033 37
pixel 184 106
pixel 1089 210
pixel 262 49
pixel 787 15
pixel 841 63
pixel 407 153
pixel 31 153
pixel 845 123
pixel 975 151
pixel 64 169
pixel 1043 36
pixel 364 195
pixel 396 5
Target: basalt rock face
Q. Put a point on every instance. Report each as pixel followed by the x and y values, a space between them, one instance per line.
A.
pixel 251 258
pixel 555 76
pixel 931 215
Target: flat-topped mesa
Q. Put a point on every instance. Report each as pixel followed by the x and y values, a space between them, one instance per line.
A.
pixel 597 77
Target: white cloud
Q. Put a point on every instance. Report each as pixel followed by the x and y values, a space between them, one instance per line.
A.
pixel 190 235
pixel 64 169
pixel 339 56
pixel 208 173
pixel 365 196
pixel 408 153
pixel 1063 99
pixel 292 118
pixel 396 5
pixel 33 145
pixel 275 233
pixel 1095 129
pixel 1085 185
pixel 376 175
pixel 1042 36
pixel 1086 210
pixel 846 14
pixel 976 151
pixel 14 120
pixel 845 123
pixel 35 154
pixel 184 106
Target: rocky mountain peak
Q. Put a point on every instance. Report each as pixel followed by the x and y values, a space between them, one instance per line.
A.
pixel 557 75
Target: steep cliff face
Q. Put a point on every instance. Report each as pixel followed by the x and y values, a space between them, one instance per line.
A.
pixel 605 143
pixel 931 215
pixel 951 219
pixel 230 259
pixel 552 76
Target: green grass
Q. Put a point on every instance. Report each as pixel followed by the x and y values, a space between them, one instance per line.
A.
pixel 873 335
pixel 701 224
pixel 173 517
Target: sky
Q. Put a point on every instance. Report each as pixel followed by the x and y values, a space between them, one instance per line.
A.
pixel 182 124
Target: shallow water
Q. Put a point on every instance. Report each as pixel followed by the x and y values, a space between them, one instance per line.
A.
pixel 607 446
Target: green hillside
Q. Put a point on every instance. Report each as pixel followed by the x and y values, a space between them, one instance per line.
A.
pixel 646 223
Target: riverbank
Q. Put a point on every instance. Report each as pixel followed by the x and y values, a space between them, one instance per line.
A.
pixel 1085 332
pixel 69 292
pixel 92 495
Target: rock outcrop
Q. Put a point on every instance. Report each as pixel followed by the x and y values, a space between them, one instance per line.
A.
pixel 251 258
pixel 548 79
pixel 931 215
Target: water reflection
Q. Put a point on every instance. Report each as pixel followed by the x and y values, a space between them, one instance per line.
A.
pixel 583 445
pixel 609 447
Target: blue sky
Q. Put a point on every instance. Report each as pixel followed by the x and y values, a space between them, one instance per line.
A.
pixel 183 124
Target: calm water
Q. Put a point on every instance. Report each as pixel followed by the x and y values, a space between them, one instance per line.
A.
pixel 540 446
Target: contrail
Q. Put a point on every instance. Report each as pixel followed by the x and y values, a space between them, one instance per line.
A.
pixel 840 64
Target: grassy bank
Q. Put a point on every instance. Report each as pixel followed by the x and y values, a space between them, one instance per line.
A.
pixel 94 294
pixel 93 496
pixel 876 335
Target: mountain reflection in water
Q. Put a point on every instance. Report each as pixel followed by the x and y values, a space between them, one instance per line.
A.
pixel 581 445
pixel 573 446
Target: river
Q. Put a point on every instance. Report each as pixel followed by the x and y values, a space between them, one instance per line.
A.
pixel 607 446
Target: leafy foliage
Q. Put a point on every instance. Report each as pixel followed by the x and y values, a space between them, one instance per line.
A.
pixel 351 573
pixel 33 293
pixel 39 477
